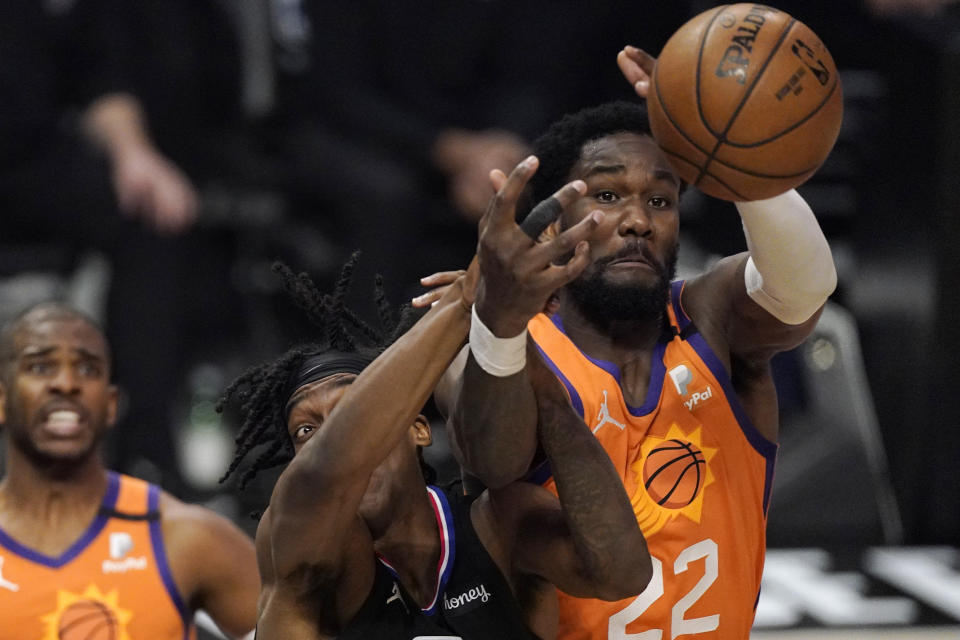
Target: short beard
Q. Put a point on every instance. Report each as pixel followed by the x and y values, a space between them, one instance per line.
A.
pixel 606 305
pixel 53 466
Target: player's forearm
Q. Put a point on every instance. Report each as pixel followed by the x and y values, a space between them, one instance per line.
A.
pixel 116 123
pixel 790 272
pixel 494 423
pixel 602 524
pixel 381 404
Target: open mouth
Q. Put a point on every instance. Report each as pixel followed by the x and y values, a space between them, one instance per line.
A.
pixel 63 423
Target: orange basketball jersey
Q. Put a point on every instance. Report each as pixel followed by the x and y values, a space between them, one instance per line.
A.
pixel 113 583
pixel 698 475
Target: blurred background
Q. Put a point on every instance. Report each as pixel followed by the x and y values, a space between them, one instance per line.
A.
pixel 156 156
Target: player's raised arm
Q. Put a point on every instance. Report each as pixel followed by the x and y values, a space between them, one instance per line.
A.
pixel 753 305
pixel 323 484
pixel 312 543
pixel 495 415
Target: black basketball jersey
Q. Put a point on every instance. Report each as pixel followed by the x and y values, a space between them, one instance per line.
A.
pixel 473 600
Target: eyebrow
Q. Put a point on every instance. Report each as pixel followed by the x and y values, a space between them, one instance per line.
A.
pixel 658 174
pixel 45 351
pixel 666 176
pixel 604 168
pixel 30 352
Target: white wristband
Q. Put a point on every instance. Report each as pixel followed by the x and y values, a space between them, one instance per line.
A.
pixel 499 357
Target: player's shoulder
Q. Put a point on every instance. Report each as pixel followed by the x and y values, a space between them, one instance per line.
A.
pixel 174 510
pixel 193 523
pixel 709 296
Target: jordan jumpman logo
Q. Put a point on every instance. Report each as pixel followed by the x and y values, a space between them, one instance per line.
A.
pixel 6 584
pixel 604 415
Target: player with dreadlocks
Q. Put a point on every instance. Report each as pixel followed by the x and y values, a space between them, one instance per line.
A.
pixel 356 544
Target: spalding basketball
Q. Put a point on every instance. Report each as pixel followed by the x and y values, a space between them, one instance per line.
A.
pixel 87 620
pixel 745 101
pixel 673 473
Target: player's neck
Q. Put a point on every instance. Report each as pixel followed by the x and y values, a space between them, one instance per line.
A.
pixel 42 494
pixel 411 543
pixel 616 341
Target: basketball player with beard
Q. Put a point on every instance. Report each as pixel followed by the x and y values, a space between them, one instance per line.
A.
pixel 86 552
pixel 672 377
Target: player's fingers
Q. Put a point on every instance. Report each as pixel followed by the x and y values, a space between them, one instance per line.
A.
pixel 441 278
pixel 560 275
pixel 497 178
pixel 550 209
pixel 644 60
pixel 630 69
pixel 636 66
pixel 502 206
pixel 428 298
pixel 570 239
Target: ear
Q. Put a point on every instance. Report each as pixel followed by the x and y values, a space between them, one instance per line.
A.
pixel 422 436
pixel 113 402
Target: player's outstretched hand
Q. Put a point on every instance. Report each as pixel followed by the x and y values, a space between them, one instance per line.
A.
pixel 636 65
pixel 517 274
pixel 440 281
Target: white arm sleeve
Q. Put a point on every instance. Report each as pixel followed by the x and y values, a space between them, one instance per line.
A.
pixel 790 272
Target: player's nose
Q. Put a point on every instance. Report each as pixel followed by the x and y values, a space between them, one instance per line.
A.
pixel 634 220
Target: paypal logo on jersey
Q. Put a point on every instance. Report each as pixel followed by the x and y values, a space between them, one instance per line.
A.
pixel 120 544
pixel 698 397
pixel 681 377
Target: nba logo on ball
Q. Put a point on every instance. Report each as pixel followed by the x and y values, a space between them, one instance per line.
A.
pixel 745 101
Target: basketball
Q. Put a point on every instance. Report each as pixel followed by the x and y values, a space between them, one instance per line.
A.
pixel 88 620
pixel 672 473
pixel 745 101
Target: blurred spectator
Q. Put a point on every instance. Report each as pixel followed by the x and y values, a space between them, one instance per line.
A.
pixel 394 113
pixel 80 168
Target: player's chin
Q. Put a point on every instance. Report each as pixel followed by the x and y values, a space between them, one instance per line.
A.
pixel 64 451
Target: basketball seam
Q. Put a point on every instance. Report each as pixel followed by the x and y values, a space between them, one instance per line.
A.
pixel 746 96
pixel 682 133
pixel 757 174
pixel 666 113
pixel 791 127
pixel 736 193
pixel 703 42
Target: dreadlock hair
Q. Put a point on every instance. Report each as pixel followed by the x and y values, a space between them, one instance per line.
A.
pixel 559 148
pixel 260 391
